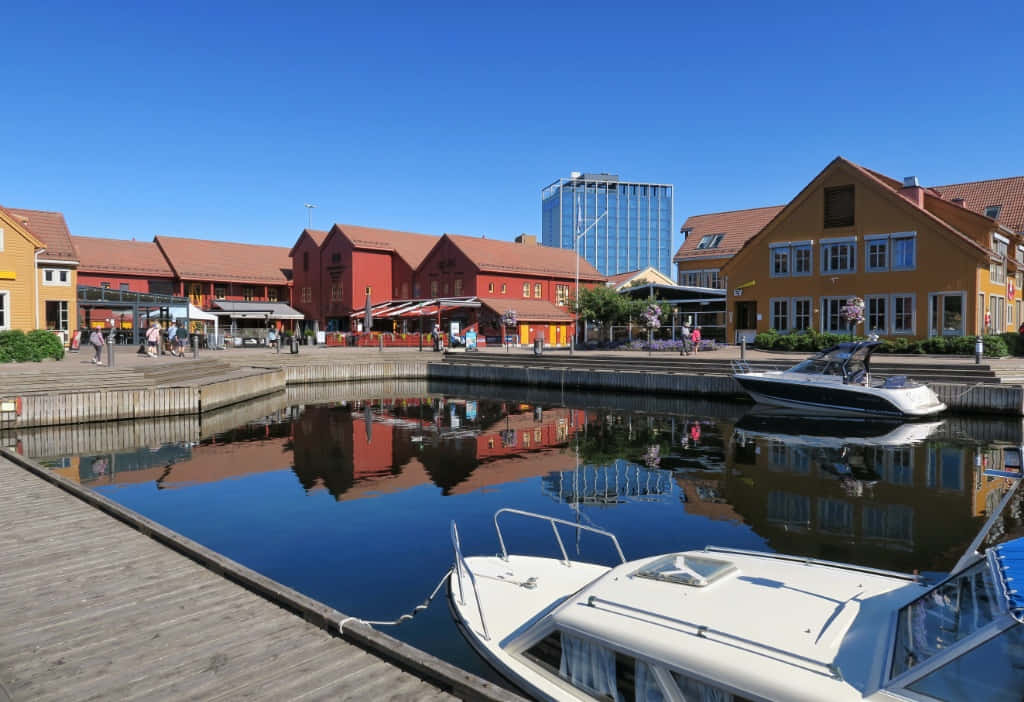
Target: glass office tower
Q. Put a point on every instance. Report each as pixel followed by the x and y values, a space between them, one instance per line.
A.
pixel 633 227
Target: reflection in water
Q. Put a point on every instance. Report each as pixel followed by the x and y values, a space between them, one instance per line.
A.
pixel 889 495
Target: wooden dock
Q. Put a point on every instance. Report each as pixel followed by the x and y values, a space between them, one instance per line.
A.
pixel 101 604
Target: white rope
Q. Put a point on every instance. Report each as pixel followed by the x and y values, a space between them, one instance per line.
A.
pixel 416 610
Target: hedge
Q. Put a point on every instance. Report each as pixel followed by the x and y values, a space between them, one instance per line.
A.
pixel 16 345
pixel 996 345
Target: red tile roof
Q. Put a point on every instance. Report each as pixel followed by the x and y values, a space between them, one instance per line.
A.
pixel 1006 192
pixel 199 259
pixel 495 255
pixel 317 236
pixel 51 229
pixel 528 310
pixel 98 255
pixel 411 247
pixel 738 226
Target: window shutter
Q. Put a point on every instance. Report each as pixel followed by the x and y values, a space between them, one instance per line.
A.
pixel 839 207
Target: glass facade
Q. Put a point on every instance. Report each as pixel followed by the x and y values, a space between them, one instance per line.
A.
pixel 635 231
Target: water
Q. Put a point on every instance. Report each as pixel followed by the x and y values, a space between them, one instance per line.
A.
pixel 350 501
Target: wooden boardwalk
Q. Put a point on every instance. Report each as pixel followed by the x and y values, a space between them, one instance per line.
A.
pixel 92 609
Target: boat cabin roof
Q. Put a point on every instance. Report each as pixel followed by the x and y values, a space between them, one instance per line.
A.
pixel 844 359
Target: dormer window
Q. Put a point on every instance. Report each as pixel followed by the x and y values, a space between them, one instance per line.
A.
pixel 992 211
pixel 710 241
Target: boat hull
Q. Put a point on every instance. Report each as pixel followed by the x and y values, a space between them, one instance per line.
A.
pixel 861 400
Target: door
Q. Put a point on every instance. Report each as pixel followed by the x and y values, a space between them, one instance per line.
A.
pixel 524 334
pixel 745 314
pixel 552 334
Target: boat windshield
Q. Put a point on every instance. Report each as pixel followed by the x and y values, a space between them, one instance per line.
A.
pixel 949 612
pixel 834 361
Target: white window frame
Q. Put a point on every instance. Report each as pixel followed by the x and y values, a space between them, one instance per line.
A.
pixel 773 318
pixel 932 323
pixel 870 240
pixel 782 251
pixel 1 238
pixel 5 305
pixel 884 329
pixel 793 315
pixel 825 300
pixel 997 308
pixel 807 246
pixel 913 314
pixel 893 238
pixel 56 273
pixel 826 246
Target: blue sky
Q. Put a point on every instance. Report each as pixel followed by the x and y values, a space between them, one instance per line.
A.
pixel 220 120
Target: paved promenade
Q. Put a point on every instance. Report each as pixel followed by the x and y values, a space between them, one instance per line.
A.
pixel 92 609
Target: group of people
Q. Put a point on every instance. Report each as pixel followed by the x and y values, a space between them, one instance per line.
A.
pixel 691 339
pixel 175 340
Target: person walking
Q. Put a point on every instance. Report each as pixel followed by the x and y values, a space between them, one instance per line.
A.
pixel 272 338
pixel 687 343
pixel 172 338
pixel 96 339
pixel 695 338
pixel 152 338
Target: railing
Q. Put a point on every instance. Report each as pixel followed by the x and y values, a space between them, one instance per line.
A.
pixel 815 561
pixel 740 366
pixel 553 521
pixel 460 567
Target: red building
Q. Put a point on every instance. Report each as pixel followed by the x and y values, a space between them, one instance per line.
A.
pixel 119 264
pixel 306 273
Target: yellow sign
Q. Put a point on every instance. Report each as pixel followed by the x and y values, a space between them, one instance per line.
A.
pixel 748 284
pixel 8 275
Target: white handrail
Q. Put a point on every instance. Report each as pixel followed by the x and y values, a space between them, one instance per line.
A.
pixel 460 566
pixel 553 521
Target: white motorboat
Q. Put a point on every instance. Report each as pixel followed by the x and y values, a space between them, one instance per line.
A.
pixel 726 625
pixel 796 428
pixel 838 380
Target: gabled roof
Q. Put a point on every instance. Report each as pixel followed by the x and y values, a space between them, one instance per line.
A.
pixel 97 255
pixel 51 229
pixel 737 227
pixel 199 259
pixel 16 223
pixel 528 310
pixel 410 247
pixel 317 236
pixel 646 275
pixel 1008 193
pixel 497 256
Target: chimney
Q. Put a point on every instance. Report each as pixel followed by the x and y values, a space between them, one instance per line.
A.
pixel 959 201
pixel 913 191
pixel 530 239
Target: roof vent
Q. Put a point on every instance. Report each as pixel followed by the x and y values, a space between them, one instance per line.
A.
pixel 575 174
pixel 911 182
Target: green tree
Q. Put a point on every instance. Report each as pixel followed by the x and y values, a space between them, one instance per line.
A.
pixel 603 306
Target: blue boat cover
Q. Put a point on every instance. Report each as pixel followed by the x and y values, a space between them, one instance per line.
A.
pixel 1009 559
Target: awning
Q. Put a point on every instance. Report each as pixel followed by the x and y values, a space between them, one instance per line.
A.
pixel 255 310
pixel 417 308
pixel 197 314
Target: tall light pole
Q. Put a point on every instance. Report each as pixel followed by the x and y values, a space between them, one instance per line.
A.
pixel 575 248
pixel 309 215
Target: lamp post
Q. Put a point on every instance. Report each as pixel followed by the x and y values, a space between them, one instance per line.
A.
pixel 309 215
pixel 575 248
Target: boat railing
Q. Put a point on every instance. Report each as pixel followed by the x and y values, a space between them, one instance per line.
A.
pixel 814 561
pixel 554 521
pixel 739 365
pixel 462 568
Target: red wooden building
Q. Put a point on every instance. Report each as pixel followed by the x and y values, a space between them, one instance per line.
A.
pixel 306 273
pixel 120 264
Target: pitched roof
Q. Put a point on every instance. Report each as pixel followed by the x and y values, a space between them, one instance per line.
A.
pixel 500 256
pixel 411 247
pixel 97 255
pixel 737 227
pixel 199 259
pixel 528 310
pixel 317 236
pixel 1008 193
pixel 16 223
pixel 51 229
pixel 646 275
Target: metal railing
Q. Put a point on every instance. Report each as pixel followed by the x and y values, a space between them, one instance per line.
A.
pixel 553 521
pixel 460 566
pixel 740 366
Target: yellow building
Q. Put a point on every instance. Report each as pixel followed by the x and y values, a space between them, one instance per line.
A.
pixel 38 276
pixel 924 266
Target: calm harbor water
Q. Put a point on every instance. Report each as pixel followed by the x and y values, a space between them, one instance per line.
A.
pixel 350 500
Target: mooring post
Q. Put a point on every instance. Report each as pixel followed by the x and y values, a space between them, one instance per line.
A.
pixel 743 348
pixel 979 349
pixel 195 346
pixel 110 348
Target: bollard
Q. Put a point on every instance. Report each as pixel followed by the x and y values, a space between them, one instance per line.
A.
pixel 277 345
pixel 979 349
pixel 743 348
pixel 195 346
pixel 380 343
pixel 110 349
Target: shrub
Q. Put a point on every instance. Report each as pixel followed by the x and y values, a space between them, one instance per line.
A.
pixel 48 342
pixel 15 345
pixel 1014 343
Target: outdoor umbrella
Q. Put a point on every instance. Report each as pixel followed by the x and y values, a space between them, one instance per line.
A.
pixel 368 323
pixel 316 329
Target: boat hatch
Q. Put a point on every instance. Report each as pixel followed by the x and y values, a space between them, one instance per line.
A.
pixel 695 571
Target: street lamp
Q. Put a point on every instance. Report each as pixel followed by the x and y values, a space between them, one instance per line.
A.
pixel 575 248
pixel 309 215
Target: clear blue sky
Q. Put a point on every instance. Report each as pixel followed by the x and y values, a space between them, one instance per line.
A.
pixel 220 120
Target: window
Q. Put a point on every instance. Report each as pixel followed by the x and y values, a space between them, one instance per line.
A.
pixel 876 319
pixel 903 314
pixel 710 241
pixel 457 290
pixel 405 290
pixel 997 265
pixel 247 292
pixel 195 292
pixel 801 313
pixel 1 239
pixel 305 260
pixel 335 259
pixel 561 295
pixel 780 261
pixel 123 287
pixel 838 255
pixel 307 294
pixel 992 211
pixel 272 294
pixel 839 207
pixel 711 279
pixel 997 306
pixel 982 673
pixel 831 318
pixel 444 288
pixel 802 259
pixel 5 309
pixel 220 291
pixel 904 251
pixel 336 295
pixel 537 289
pixel 490 287
pixel 435 288
pixel 780 314
pixel 694 689
pixel 595 669
pixel 946 314
pixel 57 315
pixel 504 288
pixel 56 276
pixel 877 253
pixel 526 289
pixel 105 286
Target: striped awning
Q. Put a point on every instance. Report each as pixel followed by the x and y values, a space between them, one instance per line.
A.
pixel 1008 560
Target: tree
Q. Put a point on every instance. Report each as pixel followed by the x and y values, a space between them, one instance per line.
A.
pixel 602 305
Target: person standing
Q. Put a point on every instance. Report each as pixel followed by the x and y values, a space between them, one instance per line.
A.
pixel 687 343
pixel 272 338
pixel 96 339
pixel 695 338
pixel 172 338
pixel 152 338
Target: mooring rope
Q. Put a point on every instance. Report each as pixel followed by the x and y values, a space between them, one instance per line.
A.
pixel 416 610
pixel 976 385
